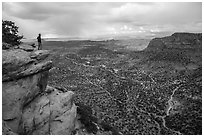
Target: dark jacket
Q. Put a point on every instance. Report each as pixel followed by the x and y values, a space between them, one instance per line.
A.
pixel 39 39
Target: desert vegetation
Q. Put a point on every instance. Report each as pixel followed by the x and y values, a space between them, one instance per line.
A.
pixel 130 90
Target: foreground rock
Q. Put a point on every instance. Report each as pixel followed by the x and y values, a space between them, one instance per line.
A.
pixel 29 106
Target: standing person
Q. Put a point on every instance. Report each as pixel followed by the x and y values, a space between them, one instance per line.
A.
pixel 39 42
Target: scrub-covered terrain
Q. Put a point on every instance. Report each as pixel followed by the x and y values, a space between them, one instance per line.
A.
pixel 133 87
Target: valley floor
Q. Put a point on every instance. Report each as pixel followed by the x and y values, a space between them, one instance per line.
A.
pixel 131 92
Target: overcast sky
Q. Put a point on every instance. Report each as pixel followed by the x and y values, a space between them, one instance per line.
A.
pixel 91 20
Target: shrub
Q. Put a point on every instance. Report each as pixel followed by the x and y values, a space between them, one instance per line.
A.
pixel 87 118
pixel 10 33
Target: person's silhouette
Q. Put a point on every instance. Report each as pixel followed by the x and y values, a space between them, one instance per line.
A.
pixel 39 42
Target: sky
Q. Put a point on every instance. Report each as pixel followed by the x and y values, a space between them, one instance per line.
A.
pixel 103 20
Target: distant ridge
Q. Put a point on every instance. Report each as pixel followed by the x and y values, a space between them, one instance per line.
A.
pixel 178 40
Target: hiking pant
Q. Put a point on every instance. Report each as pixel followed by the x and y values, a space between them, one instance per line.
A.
pixel 39 45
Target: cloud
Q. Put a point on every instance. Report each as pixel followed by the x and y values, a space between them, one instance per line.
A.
pixel 99 19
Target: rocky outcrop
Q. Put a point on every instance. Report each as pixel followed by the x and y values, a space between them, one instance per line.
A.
pixel 19 93
pixel 54 113
pixel 176 41
pixel 19 63
pixel 29 106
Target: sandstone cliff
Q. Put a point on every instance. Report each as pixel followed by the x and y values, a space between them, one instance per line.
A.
pixel 29 106
pixel 176 41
